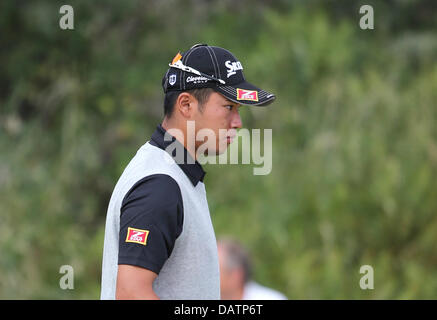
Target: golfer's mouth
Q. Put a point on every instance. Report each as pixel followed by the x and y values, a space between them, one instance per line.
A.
pixel 230 139
pixel 231 134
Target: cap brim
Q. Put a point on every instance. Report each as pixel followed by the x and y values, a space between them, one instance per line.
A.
pixel 247 94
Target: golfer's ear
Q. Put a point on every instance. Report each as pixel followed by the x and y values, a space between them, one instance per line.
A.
pixel 185 104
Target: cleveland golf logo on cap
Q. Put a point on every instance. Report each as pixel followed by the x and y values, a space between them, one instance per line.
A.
pixel 249 95
pixel 137 236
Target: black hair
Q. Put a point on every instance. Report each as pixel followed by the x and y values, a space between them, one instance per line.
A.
pixel 201 95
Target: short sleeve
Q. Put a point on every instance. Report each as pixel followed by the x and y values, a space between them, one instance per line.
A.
pixel 150 222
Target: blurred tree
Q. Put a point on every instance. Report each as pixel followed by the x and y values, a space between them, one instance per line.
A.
pixel 354 138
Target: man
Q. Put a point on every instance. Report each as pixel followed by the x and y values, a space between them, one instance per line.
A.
pixel 236 272
pixel 159 239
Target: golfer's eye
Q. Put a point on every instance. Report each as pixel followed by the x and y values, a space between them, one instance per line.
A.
pixel 229 107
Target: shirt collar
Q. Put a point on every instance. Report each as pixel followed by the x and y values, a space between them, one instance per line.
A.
pixel 192 169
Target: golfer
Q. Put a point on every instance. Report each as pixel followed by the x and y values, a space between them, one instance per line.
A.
pixel 159 239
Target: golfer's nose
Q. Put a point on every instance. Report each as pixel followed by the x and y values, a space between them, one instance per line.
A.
pixel 236 119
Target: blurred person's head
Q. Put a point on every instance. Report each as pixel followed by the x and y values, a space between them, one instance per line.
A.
pixel 235 269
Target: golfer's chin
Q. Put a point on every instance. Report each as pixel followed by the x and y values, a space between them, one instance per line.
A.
pixel 223 146
pixel 214 151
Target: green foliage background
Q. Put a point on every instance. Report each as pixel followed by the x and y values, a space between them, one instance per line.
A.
pixel 354 175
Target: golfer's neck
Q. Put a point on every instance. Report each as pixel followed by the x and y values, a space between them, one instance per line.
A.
pixel 184 140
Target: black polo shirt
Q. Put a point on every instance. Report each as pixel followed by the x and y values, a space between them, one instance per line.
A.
pixel 155 203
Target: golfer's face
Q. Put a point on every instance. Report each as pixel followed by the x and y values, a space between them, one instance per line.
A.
pixel 222 117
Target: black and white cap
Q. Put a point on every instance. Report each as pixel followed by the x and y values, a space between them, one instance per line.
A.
pixel 204 66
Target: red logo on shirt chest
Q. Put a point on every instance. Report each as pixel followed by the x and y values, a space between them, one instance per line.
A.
pixel 137 235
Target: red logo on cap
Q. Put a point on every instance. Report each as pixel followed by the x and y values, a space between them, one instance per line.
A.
pixel 137 235
pixel 250 95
